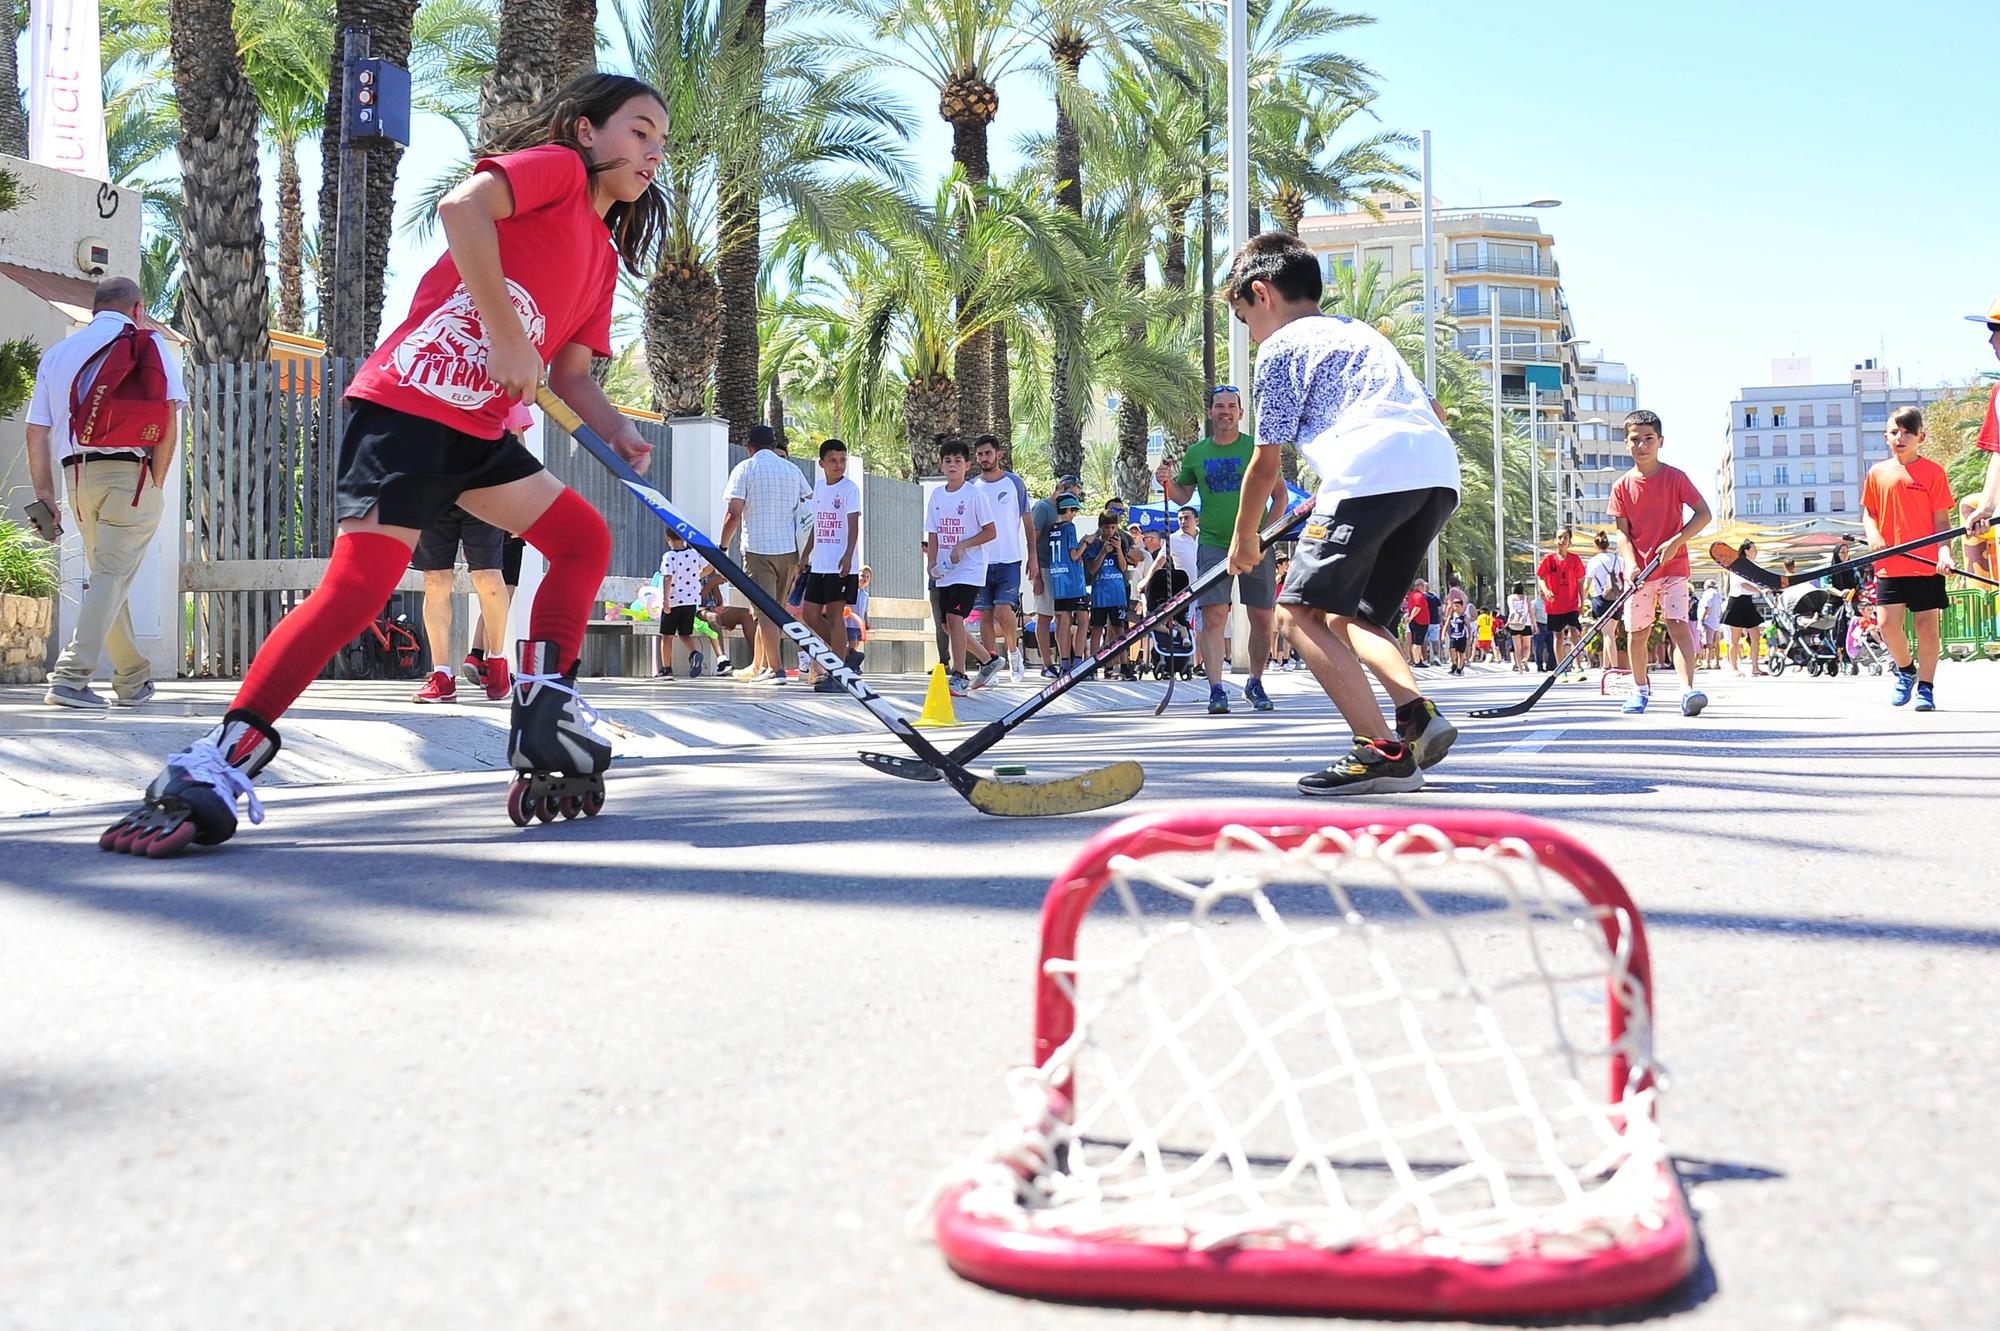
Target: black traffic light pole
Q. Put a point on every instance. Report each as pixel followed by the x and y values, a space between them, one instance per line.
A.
pixel 350 228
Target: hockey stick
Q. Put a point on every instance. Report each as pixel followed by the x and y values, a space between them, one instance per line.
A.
pixel 1595 630
pixel 995 731
pixel 1731 558
pixel 1096 789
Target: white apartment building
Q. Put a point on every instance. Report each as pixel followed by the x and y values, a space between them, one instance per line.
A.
pixel 1606 391
pixel 1796 453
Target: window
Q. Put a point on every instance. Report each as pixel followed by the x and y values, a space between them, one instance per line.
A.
pixel 1753 477
pixel 1622 403
pixel 1465 254
pixel 1777 418
pixel 1806 448
pixel 1781 475
pixel 1754 505
pixel 1839 504
pixel 1874 413
pixel 1833 413
pixel 1506 257
pixel 1783 504
pixel 1516 300
pixel 1779 448
pixel 1835 442
pixel 1331 263
pixel 1466 300
pixel 1750 418
pixel 1750 449
pixel 1836 473
pixel 1806 414
pixel 1808 476
pixel 1381 256
pixel 1811 503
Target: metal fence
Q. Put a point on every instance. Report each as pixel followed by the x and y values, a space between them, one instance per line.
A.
pixel 893 511
pixel 637 538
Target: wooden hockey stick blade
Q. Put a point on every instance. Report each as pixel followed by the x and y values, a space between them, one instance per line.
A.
pixel 1099 789
pixel 897 764
pixel 1731 558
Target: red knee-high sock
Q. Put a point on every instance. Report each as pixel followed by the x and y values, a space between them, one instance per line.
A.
pixel 363 571
pixel 578 544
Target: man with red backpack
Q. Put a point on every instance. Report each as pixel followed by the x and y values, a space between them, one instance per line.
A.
pixel 104 412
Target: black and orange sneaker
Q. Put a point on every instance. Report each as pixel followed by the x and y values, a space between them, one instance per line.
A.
pixel 1371 767
pixel 1420 725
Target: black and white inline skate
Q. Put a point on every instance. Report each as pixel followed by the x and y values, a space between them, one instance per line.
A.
pixel 553 742
pixel 193 801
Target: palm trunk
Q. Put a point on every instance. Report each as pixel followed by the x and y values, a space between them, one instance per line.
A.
pixel 930 412
pixel 388 23
pixel 774 406
pixel 1003 411
pixel 524 64
pixel 1065 423
pixel 738 220
pixel 683 312
pixel 226 287
pixel 1174 275
pixel 576 40
pixel 1132 480
pixel 13 126
pixel 291 242
pixel 972 363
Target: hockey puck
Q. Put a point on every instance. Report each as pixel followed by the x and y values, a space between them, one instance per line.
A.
pixel 1010 769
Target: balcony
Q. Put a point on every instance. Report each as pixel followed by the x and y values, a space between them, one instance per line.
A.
pixel 1542 312
pixel 1504 267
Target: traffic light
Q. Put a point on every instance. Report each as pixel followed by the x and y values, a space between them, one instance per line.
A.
pixel 377 105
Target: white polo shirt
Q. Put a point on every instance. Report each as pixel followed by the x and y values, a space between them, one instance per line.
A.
pixel 65 360
pixel 772 491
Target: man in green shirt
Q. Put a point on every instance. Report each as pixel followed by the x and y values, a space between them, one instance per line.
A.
pixel 1215 466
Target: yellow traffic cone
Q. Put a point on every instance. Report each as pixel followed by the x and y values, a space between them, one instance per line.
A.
pixel 937 701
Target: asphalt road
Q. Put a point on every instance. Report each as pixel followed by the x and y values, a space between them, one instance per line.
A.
pixel 387 1061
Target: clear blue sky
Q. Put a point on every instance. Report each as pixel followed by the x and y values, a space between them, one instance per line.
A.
pixel 1739 181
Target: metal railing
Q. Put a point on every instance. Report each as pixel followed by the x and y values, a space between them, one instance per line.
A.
pixel 1508 267
pixel 1531 310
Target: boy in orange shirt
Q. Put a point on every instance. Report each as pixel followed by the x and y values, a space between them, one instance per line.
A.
pixel 1647 503
pixel 1905 498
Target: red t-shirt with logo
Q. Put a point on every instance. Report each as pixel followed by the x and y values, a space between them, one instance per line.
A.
pixel 1654 508
pixel 1989 433
pixel 1417 607
pixel 561 270
pixel 1904 501
pixel 1564 576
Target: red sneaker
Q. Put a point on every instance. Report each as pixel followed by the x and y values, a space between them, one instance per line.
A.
pixel 440 687
pixel 495 677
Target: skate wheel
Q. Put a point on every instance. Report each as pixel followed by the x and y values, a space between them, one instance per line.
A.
pixel 547 808
pixel 572 805
pixel 593 803
pixel 109 840
pixel 127 835
pixel 169 843
pixel 517 802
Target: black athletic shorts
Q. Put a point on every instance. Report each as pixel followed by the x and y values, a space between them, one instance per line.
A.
pixel 1072 605
pixel 832 588
pixel 1361 559
pixel 677 622
pixel 510 560
pixel 1922 591
pixel 1566 619
pixel 956 601
pixel 485 544
pixel 412 470
pixel 1107 615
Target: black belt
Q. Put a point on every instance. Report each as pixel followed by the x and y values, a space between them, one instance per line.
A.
pixel 78 459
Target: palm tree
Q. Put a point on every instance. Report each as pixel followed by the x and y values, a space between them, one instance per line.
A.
pixel 962 48
pixel 739 219
pixel 13 125
pixel 1297 127
pixel 1393 308
pixel 224 287
pixel 524 65
pixel 576 40
pixel 390 25
pixel 286 45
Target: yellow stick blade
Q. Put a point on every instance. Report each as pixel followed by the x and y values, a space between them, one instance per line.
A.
pixel 1075 794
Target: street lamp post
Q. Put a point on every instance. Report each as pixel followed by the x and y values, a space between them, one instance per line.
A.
pixel 1239 176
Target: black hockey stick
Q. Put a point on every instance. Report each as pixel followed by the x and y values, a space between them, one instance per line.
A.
pixel 1590 634
pixel 1731 558
pixel 994 731
pixel 1096 789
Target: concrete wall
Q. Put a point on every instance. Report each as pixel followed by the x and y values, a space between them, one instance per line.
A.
pixel 62 210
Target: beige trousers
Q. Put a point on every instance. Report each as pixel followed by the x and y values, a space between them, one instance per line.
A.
pixel 116 533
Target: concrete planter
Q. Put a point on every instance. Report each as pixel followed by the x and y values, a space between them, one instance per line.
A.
pixel 24 638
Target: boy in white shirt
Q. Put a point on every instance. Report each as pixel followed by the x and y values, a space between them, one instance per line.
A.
pixel 833 555
pixel 1010 559
pixel 957 523
pixel 1336 388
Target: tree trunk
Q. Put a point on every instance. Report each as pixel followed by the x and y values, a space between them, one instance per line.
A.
pixel 1174 275
pixel 683 310
pixel 1134 483
pixel 1065 422
pixel 225 289
pixel 930 412
pixel 524 64
pixel 972 363
pixel 1003 410
pixel 13 125
pixel 291 242
pixel 774 406
pixel 388 22
pixel 576 40
pixel 738 221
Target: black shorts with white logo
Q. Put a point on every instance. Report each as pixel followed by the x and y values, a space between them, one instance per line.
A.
pixel 1919 592
pixel 1361 559
pixel 1564 619
pixel 1107 616
pixel 677 622
pixel 832 588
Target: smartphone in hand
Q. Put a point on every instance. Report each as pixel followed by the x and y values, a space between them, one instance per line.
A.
pixel 46 524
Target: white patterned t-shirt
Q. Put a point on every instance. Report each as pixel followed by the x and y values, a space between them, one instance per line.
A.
pixel 681 571
pixel 1337 388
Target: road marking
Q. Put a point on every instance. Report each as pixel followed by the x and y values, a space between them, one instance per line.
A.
pixel 1534 743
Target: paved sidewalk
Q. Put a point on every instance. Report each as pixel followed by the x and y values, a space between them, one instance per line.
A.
pixel 57 758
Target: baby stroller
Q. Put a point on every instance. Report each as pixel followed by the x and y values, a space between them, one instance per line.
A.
pixel 1864 643
pixel 1804 624
pixel 1172 651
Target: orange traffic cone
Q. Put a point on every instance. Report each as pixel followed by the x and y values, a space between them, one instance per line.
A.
pixel 937 701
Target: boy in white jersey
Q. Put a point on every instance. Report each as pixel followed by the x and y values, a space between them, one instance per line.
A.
pixel 958 525
pixel 1010 559
pixel 834 554
pixel 1337 389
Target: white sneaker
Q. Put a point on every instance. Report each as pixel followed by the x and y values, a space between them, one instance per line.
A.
pixel 1017 667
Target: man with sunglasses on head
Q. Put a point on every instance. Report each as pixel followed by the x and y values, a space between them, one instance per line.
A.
pixel 1215 465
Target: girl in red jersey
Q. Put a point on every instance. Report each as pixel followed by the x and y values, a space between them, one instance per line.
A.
pixel 535 237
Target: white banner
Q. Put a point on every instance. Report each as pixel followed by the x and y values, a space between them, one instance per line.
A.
pixel 66 88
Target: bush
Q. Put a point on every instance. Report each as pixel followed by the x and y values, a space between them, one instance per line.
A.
pixel 19 359
pixel 27 563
